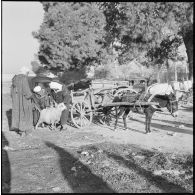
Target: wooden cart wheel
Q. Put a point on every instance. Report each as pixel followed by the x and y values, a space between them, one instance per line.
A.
pixel 81 114
pixel 106 119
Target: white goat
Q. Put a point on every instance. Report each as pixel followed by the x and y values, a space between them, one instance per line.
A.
pixel 51 115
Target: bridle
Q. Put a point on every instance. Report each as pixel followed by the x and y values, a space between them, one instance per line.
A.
pixel 171 105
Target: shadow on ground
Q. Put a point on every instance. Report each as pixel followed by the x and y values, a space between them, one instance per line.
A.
pixel 6 171
pixel 84 181
pixel 9 117
pixel 175 122
pixel 158 181
pixel 167 128
pixel 187 109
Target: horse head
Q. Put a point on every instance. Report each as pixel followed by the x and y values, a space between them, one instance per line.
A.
pixel 172 104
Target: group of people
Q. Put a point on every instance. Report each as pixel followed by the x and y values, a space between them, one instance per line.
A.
pixel 29 96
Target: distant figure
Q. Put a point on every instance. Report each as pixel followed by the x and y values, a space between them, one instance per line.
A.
pixel 131 83
pixel 143 82
pixel 22 117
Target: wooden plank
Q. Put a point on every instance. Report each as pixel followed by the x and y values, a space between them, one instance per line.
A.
pixel 130 104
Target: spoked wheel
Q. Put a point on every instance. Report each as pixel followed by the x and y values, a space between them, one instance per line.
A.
pixel 106 117
pixel 81 114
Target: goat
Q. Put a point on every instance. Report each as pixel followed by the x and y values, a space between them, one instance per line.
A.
pixel 51 115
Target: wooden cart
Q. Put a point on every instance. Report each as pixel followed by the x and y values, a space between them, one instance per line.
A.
pixel 90 102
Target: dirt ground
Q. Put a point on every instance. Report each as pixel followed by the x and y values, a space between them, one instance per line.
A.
pixel 98 159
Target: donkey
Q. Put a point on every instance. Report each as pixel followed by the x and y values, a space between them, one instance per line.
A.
pixel 165 101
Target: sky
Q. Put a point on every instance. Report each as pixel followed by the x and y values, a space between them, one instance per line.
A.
pixel 19 20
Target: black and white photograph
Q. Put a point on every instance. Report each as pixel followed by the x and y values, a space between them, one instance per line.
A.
pixel 96 97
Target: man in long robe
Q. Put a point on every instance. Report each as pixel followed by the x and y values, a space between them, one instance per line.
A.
pixel 22 117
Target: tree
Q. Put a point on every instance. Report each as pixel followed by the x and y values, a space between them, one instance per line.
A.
pixel 71 35
pixel 166 50
pixel 141 26
pixel 133 25
pixel 76 34
pixel 183 16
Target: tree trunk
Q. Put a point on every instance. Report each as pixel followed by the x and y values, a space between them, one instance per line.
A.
pixel 158 73
pixel 188 41
pixel 186 76
pixel 167 70
pixel 175 71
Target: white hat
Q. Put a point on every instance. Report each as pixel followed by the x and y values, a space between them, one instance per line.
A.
pixel 37 89
pixel 55 85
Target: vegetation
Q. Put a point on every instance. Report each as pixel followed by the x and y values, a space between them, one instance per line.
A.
pixel 143 26
pixel 71 35
pixel 78 34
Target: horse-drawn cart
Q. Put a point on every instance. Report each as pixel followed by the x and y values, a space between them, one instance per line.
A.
pixel 91 102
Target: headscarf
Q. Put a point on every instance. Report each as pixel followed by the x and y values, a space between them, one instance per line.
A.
pixel 24 70
pixel 37 89
pixel 55 85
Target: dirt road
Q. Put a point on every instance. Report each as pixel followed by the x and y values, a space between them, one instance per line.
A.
pixel 97 159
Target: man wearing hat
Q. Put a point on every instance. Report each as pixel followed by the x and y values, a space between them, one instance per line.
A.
pixel 61 94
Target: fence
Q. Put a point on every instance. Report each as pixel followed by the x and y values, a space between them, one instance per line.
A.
pixel 108 83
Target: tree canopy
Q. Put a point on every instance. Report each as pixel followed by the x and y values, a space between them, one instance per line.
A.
pixel 74 35
pixel 146 26
pixel 71 34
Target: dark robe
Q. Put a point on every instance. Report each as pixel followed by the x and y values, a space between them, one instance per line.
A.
pixel 22 117
pixel 63 96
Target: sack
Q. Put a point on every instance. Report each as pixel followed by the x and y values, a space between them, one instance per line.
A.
pixel 130 98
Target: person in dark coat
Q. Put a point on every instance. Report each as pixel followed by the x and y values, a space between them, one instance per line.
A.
pixel 41 99
pixel 60 93
pixel 22 117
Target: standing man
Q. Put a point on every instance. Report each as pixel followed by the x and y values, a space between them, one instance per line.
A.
pixel 61 94
pixel 22 117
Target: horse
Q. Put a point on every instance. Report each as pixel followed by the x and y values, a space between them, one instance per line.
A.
pixel 165 101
